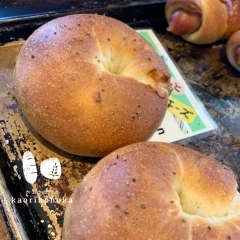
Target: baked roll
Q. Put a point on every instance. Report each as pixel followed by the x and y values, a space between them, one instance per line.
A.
pixel 154 191
pixel 203 21
pixel 233 50
pixel 90 84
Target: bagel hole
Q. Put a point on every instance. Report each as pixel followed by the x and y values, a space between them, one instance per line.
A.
pixel 195 206
pixel 113 64
pixel 111 61
pixel 188 204
pixel 120 66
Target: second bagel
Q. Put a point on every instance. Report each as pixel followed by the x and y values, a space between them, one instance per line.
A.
pixel 153 190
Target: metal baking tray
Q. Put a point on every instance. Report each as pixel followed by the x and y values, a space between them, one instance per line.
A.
pixel 205 68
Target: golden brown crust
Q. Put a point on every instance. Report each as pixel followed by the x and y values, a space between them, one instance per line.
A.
pixel 233 23
pixel 90 84
pixel 220 18
pixel 232 44
pixel 155 191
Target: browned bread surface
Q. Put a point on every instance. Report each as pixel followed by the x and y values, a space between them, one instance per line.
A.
pixel 219 19
pixel 233 50
pixel 155 191
pixel 90 84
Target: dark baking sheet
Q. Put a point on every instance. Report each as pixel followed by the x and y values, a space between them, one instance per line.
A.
pixel 11 10
pixel 33 11
pixel 206 69
pixel 18 19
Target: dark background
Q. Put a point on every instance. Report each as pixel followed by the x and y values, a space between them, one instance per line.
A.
pixel 19 18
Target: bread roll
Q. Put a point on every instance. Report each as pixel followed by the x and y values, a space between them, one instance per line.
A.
pixel 233 50
pixel 204 21
pixel 154 191
pixel 90 84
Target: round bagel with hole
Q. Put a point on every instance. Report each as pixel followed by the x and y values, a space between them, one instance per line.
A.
pixel 154 191
pixel 90 84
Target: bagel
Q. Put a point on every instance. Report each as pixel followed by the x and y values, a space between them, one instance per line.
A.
pixel 90 84
pixel 154 191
